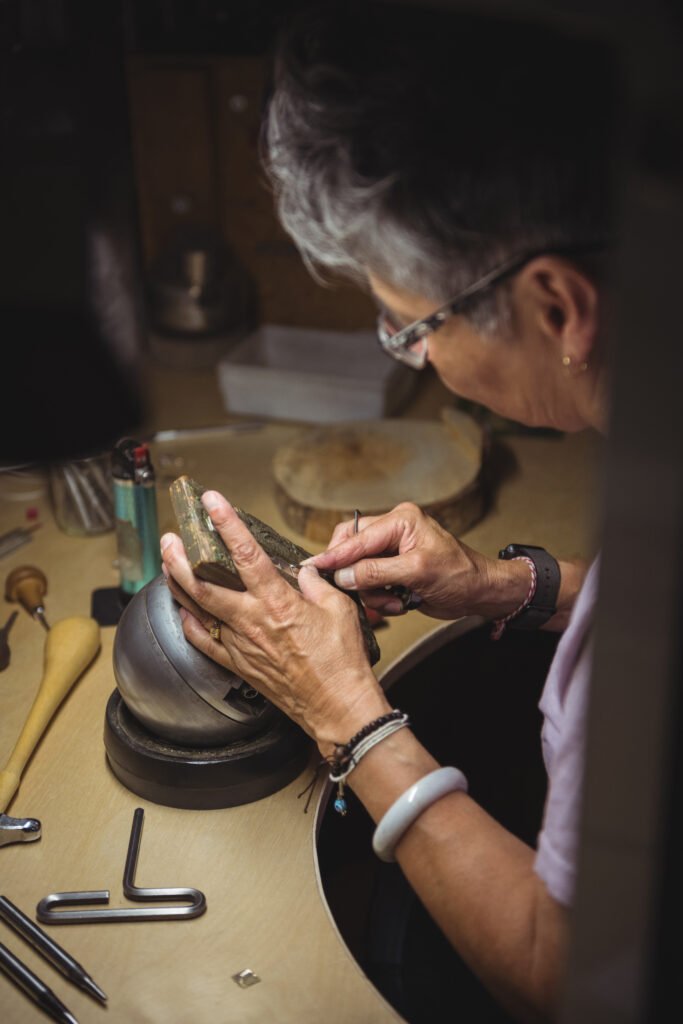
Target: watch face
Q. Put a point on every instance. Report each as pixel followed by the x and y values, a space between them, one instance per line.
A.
pixel 513 550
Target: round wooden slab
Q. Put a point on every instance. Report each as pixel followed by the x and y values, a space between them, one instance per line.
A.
pixel 326 472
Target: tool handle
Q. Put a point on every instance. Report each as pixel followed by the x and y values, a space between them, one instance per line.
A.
pixel 27 585
pixel 70 646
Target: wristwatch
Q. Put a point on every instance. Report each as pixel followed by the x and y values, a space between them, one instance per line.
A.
pixel 543 604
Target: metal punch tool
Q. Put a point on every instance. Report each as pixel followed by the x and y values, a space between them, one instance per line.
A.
pixel 47 913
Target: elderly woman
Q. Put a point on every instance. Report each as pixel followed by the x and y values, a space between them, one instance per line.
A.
pixel 460 173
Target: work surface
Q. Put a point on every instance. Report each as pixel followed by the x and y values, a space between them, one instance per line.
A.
pixel 256 864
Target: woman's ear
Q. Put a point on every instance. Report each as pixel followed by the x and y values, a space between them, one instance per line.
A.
pixel 564 304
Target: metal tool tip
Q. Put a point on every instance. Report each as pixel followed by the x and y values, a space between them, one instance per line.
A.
pixel 18 830
pixel 68 1017
pixel 94 990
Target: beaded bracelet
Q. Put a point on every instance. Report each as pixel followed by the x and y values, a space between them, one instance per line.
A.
pixel 383 727
pixel 347 755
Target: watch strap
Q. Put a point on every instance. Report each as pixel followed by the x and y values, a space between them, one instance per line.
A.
pixel 543 605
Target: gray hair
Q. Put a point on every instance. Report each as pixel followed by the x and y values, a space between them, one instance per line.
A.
pixel 368 175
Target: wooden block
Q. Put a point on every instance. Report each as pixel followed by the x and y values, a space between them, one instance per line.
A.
pixel 328 471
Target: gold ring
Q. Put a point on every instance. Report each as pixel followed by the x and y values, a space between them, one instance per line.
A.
pixel 215 630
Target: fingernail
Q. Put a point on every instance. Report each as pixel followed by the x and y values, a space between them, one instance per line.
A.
pixel 345 577
pixel 164 570
pixel 393 607
pixel 308 567
pixel 182 612
pixel 211 499
pixel 165 541
pixel 308 561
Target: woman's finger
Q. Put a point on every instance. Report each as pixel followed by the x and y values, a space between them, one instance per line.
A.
pixel 196 634
pixel 382 535
pixel 382 602
pixel 343 531
pixel 220 602
pixel 186 602
pixel 257 572
pixel 378 573
pixel 313 587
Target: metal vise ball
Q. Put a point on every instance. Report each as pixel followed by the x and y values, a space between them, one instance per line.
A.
pixel 174 690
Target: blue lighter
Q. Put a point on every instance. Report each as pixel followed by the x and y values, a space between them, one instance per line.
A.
pixel 135 506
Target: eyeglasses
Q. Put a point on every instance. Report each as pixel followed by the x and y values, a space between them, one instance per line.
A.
pixel 410 344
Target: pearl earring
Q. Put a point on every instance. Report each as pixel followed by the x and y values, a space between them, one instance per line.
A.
pixel 580 368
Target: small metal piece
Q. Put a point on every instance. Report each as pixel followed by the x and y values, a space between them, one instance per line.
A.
pixel 48 915
pixel 356 517
pixel 246 978
pixel 4 643
pixel 39 613
pixel 18 830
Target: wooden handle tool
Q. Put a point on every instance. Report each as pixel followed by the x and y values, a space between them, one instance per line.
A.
pixel 70 646
pixel 27 585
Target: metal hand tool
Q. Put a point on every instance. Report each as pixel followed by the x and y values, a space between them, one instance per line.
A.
pixel 36 989
pixel 47 913
pixel 18 830
pixel 28 585
pixel 4 642
pixel 69 648
pixel 50 949
pixel 9 542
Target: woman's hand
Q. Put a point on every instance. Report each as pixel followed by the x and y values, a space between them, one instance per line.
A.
pixel 408 548
pixel 303 651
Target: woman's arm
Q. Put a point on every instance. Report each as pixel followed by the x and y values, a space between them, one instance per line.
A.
pixel 304 651
pixel 407 547
pixel 476 880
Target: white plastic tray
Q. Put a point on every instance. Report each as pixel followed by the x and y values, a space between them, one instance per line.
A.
pixel 315 376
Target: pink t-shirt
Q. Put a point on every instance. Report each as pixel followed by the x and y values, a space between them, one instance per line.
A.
pixel 564 704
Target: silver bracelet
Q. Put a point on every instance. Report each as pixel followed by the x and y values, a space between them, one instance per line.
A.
pixel 410 805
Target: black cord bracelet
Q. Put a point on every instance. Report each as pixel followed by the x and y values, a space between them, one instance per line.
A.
pixel 346 755
pixel 343 752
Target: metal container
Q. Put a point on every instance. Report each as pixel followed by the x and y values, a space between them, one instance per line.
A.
pixel 82 495
pixel 198 288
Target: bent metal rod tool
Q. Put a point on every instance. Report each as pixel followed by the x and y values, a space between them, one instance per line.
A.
pixel 70 646
pixel 47 913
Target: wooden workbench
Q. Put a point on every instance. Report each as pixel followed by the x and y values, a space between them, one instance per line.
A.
pixel 256 864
